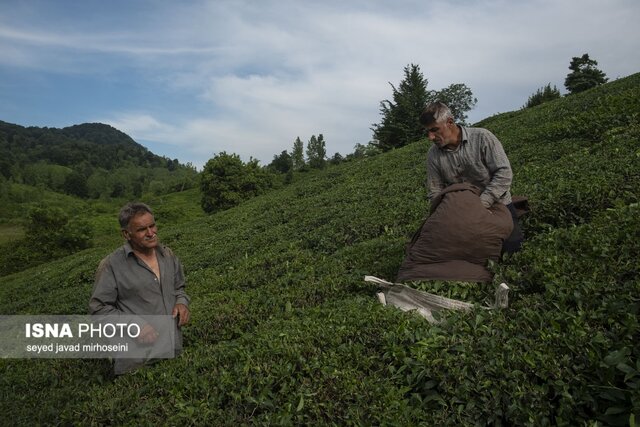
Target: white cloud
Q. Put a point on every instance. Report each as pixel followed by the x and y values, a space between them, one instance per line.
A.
pixel 249 77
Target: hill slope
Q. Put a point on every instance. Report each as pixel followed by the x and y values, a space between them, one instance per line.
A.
pixel 87 161
pixel 284 330
pixel 94 144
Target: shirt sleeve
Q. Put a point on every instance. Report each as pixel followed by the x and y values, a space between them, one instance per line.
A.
pixel 179 283
pixel 434 182
pixel 105 292
pixel 499 168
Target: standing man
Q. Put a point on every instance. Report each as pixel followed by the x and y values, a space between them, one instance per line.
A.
pixel 467 154
pixel 142 277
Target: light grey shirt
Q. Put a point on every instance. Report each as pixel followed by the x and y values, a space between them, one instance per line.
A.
pixel 479 159
pixel 126 285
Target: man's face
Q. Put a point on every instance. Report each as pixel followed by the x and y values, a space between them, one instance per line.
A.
pixel 441 133
pixel 142 232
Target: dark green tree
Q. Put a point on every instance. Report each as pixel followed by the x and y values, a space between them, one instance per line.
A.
pixel 119 189
pixel 5 186
pixel 56 233
pixel 226 181
pixel 316 152
pixel 282 163
pixel 459 99
pixel 336 159
pixel 399 125
pixel 173 164
pixel 542 95
pixel 75 184
pixel 584 74
pixel 297 154
pixel 361 151
pixel 50 234
pixel 137 189
pixel 400 117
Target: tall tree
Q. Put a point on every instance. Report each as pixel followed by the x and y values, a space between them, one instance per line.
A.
pixel 76 184
pixel 336 159
pixel 362 151
pixel 542 95
pixel 399 125
pixel 317 152
pixel 297 154
pixel 226 181
pixel 400 117
pixel 584 74
pixel 282 163
pixel 459 99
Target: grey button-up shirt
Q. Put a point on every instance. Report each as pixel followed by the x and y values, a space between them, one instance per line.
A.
pixel 126 285
pixel 479 159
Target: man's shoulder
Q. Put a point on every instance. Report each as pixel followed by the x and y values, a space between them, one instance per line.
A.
pixel 166 251
pixel 478 131
pixel 434 151
pixel 118 254
pixel 481 135
pixel 112 259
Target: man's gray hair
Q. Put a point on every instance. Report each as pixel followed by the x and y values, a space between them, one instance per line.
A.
pixel 131 210
pixel 435 112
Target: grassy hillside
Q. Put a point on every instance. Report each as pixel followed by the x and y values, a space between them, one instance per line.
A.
pixel 285 331
pixel 77 166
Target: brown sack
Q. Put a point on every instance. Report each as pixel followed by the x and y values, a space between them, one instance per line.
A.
pixel 457 239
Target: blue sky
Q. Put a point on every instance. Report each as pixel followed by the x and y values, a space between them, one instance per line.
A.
pixel 189 79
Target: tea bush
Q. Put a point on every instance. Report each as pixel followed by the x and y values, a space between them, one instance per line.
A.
pixel 285 331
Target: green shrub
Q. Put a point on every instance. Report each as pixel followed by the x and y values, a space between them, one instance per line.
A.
pixel 49 234
pixel 226 181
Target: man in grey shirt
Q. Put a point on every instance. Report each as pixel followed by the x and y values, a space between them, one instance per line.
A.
pixel 467 154
pixel 142 277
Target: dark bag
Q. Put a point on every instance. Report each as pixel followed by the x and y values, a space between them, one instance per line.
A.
pixel 457 239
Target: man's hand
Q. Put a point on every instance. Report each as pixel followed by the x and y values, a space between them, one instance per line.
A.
pixel 148 335
pixel 182 312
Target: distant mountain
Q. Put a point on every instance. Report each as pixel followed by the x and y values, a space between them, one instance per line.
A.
pixel 95 145
pixel 99 133
pixel 89 160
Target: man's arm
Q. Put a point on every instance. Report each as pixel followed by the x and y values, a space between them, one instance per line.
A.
pixel 181 307
pixel 499 168
pixel 434 179
pixel 179 283
pixel 105 291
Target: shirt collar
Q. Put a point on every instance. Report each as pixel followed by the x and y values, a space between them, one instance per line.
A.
pixel 464 139
pixel 128 250
pixel 465 135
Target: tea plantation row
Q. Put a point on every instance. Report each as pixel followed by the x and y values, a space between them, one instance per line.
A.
pixel 285 331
